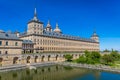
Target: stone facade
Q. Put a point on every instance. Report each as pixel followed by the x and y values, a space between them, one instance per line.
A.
pixel 47 40
pixel 27 47
pixel 10 43
pixel 17 59
pixel 52 45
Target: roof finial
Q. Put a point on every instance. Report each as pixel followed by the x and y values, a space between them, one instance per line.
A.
pixel 35 13
pixel 94 30
pixel 48 24
pixel 48 21
pixel 94 33
pixel 57 27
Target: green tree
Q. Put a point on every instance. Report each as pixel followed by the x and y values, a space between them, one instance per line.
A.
pixel 106 50
pixel 115 55
pixel 68 57
pixel 81 59
pixel 107 59
pixel 87 53
pixel 92 57
pixel 90 61
pixel 95 56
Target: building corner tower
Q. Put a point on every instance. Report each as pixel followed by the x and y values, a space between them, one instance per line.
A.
pixel 35 26
pixel 95 36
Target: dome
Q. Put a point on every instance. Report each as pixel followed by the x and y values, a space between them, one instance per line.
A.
pixel 57 29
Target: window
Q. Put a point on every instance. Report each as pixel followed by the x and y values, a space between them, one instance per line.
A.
pixel 16 43
pixel 0 42
pixel 6 52
pixel 7 43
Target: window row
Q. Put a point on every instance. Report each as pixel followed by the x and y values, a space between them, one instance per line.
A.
pixel 6 52
pixel 7 43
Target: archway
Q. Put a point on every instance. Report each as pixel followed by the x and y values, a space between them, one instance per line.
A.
pixel 15 59
pixel 49 58
pixel 63 56
pixel 36 59
pixel 56 57
pixel 28 59
pixel 42 58
pixel 1 59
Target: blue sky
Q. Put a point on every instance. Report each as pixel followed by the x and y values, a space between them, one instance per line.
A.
pixel 75 17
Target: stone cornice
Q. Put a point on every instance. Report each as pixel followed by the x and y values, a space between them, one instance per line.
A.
pixel 57 38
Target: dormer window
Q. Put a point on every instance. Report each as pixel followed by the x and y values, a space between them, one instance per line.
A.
pixel 6 35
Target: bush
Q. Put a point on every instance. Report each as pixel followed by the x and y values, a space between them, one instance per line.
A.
pixel 87 54
pixel 115 55
pixel 95 56
pixel 107 59
pixel 90 61
pixel 81 59
pixel 68 57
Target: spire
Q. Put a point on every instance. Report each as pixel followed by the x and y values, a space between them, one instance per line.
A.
pixel 57 27
pixel 48 21
pixel 35 19
pixel 48 24
pixel 94 34
pixel 35 15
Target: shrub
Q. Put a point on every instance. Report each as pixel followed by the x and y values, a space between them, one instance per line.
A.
pixel 81 59
pixel 68 57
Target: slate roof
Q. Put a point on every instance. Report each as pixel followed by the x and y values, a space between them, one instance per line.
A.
pixel 8 36
pixel 58 35
pixel 27 42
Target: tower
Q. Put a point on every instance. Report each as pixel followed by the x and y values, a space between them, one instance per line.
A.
pixel 57 30
pixel 95 36
pixel 35 26
pixel 48 27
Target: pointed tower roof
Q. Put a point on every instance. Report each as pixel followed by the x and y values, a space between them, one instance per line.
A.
pixel 94 34
pixel 48 24
pixel 57 29
pixel 35 19
pixel 35 15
